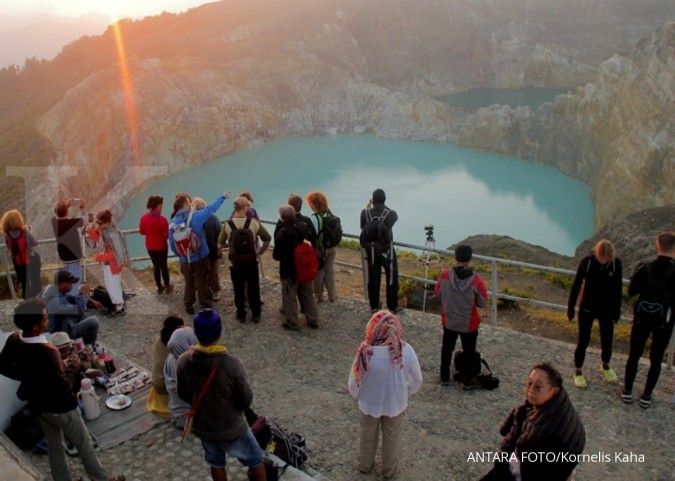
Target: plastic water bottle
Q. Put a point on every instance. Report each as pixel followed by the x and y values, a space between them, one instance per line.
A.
pixel 89 400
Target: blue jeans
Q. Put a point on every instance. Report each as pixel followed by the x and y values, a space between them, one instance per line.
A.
pixel 245 448
pixel 87 329
pixel 75 269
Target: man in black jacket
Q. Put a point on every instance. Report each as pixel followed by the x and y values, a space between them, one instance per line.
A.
pixel 28 358
pixel 289 234
pixel 654 286
pixel 377 222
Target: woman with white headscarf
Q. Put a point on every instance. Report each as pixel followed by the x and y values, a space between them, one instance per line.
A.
pixel 181 340
pixel 385 372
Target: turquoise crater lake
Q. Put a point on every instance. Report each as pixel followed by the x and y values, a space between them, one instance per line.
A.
pixel 462 192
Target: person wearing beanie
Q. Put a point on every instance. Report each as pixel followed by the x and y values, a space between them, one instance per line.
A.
pixel 461 292
pixel 209 372
pixel 377 222
pixel 287 237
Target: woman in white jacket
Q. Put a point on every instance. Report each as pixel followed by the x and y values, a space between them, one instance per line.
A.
pixel 385 372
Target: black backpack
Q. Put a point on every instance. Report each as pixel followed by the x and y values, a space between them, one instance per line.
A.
pixel 242 244
pixel 654 302
pixel 100 294
pixel 331 228
pixel 374 236
pixel 466 367
pixel 272 438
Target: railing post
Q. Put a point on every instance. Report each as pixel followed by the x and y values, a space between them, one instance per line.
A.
pixel 493 283
pixel 10 283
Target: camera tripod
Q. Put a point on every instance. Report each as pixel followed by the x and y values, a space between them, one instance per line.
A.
pixel 430 243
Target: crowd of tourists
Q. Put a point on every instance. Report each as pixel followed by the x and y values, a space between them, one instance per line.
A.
pixel 203 388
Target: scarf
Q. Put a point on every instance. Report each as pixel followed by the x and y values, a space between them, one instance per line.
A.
pixel 212 349
pixel 383 329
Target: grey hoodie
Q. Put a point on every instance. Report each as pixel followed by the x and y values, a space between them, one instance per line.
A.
pixel 459 292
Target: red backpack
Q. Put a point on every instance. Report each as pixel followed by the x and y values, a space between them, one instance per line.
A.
pixel 19 249
pixel 306 262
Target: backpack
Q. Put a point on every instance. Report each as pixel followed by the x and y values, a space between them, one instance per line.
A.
pixel 374 236
pixel 306 262
pixel 272 438
pixel 466 368
pixel 331 229
pixel 19 248
pixel 186 240
pixel 242 244
pixel 653 306
pixel 487 381
pixel 100 294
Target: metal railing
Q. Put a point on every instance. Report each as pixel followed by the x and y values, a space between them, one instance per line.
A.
pixel 494 262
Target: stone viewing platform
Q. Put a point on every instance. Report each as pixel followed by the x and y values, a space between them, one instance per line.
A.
pixel 301 379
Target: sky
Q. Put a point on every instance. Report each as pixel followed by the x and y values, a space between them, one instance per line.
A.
pixel 112 8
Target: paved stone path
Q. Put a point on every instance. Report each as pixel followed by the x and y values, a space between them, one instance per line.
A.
pixel 300 379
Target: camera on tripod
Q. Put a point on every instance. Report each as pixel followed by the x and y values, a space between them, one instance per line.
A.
pixel 429 229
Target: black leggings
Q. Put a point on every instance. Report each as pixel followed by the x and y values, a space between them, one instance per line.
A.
pixel 606 335
pixel 160 267
pixel 638 338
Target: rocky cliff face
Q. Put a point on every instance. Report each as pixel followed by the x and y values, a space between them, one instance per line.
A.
pixel 616 133
pixel 230 74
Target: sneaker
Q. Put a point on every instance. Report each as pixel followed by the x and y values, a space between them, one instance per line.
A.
pixel 609 375
pixel 580 381
pixel 645 401
pixel 627 397
pixel 290 327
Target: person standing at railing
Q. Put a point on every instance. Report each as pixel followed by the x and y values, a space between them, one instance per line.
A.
pixel 21 245
pixel 113 255
pixel 211 232
pixel 377 222
pixel 154 226
pixel 67 231
pixel 461 292
pixel 598 282
pixel 653 284
pixel 251 212
pixel 192 248
pixel 325 244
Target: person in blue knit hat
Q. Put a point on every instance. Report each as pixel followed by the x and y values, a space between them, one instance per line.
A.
pixel 209 372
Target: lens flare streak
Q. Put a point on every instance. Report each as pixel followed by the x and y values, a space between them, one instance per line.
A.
pixel 128 92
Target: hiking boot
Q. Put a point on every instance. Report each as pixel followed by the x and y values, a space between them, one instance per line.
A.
pixel 627 397
pixel 609 375
pixel 645 401
pixel 290 327
pixel 190 310
pixel 580 381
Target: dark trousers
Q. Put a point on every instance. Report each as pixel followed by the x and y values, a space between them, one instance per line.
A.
pixel 390 265
pixel 29 277
pixel 638 338
pixel 246 282
pixel 606 335
pixel 196 275
pixel 449 340
pixel 160 267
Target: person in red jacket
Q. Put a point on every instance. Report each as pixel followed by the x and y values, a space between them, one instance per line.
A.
pixel 155 228
pixel 461 293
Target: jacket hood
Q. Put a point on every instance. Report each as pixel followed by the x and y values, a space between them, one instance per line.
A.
pixel 15 233
pixel 180 217
pixel 461 278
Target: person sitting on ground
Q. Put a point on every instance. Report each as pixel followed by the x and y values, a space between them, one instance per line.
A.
pixel 545 423
pixel 461 293
pixel 67 312
pixel 252 213
pixel 601 275
pixel 652 286
pixel 28 358
pixel 158 400
pixel 288 236
pixel 209 373
pixel 113 255
pixel 326 276
pixel 241 234
pixel 154 226
pixel 377 239
pixel 211 232
pixel 181 341
pixel 384 374
pixel 21 245
pixel 67 231
pixel 194 265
